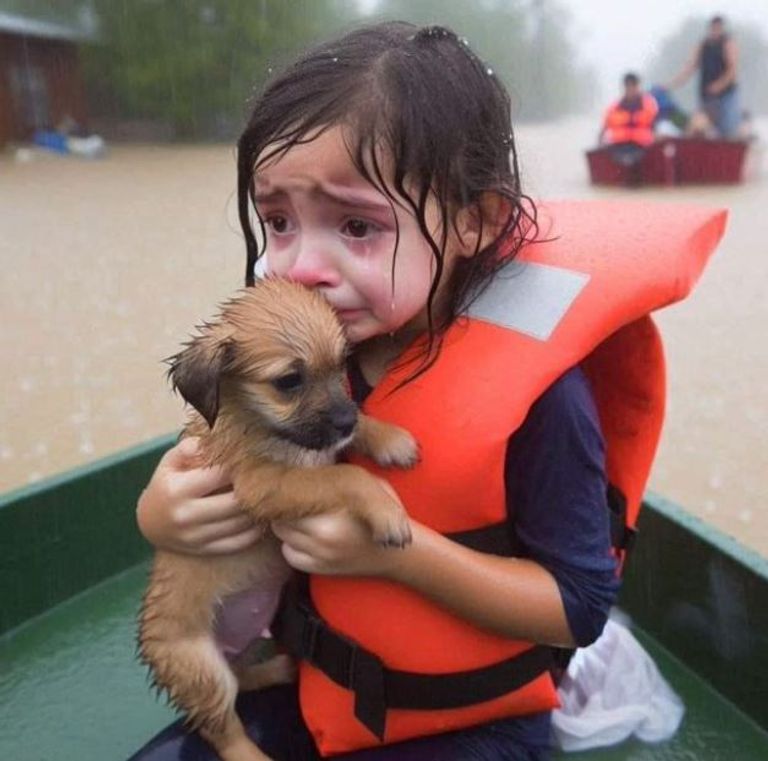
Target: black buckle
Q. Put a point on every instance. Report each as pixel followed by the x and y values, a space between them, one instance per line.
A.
pixel 309 636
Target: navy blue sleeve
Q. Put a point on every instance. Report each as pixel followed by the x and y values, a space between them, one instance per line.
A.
pixel 556 501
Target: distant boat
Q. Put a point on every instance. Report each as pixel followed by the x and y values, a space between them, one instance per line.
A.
pixel 674 161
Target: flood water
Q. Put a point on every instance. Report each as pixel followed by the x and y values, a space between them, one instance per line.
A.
pixel 107 266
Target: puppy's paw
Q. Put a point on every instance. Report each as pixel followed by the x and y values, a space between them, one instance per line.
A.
pixel 386 444
pixel 392 529
pixel 401 450
pixel 394 447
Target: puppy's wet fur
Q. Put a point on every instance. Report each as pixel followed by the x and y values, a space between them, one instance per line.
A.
pixel 268 386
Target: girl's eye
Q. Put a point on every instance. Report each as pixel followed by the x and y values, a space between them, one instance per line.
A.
pixel 278 223
pixel 358 228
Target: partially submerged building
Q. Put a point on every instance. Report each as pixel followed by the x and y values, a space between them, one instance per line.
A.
pixel 41 81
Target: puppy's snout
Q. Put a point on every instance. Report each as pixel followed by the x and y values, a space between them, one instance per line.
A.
pixel 343 417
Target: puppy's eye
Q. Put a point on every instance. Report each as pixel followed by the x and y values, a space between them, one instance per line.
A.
pixel 289 382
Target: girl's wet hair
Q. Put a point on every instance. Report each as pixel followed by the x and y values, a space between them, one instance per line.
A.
pixel 423 116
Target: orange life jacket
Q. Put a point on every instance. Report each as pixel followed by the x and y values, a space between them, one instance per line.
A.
pixel 625 126
pixel 584 296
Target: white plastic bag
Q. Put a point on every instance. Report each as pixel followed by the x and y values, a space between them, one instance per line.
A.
pixel 613 690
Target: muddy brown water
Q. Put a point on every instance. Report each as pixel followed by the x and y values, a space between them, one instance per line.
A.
pixel 107 265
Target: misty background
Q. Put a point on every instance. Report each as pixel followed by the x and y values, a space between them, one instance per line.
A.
pixel 180 71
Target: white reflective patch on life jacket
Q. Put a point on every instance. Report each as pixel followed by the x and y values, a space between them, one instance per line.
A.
pixel 529 298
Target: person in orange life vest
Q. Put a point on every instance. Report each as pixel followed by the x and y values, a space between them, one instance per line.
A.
pixel 628 123
pixel 394 190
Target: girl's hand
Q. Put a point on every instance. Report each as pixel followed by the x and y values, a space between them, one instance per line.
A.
pixel 189 509
pixel 336 544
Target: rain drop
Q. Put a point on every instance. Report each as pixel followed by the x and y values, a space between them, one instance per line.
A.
pixel 489 71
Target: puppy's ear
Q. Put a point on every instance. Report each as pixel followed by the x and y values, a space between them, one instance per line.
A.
pixel 196 371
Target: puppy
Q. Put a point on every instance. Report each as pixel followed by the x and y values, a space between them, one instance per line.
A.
pixel 268 386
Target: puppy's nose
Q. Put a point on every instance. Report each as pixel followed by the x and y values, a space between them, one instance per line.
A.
pixel 343 417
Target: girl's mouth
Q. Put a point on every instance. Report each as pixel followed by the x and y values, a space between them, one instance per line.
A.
pixel 349 315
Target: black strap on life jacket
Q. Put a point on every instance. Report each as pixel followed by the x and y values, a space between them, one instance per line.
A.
pixel 623 536
pixel 301 630
pixel 499 539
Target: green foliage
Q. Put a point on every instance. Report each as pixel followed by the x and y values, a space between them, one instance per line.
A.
pixel 193 64
pixel 525 43
pixel 675 50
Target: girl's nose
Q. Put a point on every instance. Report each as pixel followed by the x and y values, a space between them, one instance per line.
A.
pixel 313 269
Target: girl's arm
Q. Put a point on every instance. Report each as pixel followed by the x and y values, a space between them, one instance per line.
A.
pixel 555 478
pixel 514 597
pixel 510 596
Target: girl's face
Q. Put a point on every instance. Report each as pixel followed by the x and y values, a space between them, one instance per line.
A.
pixel 329 229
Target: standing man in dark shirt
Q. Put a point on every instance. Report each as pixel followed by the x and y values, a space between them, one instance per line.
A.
pixel 716 59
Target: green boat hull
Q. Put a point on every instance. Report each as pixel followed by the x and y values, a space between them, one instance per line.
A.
pixel 74 566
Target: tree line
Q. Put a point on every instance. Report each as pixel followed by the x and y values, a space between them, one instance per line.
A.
pixel 193 65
